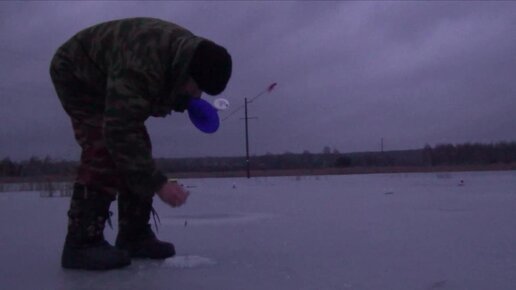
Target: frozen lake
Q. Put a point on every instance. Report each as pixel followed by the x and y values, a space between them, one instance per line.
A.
pixel 375 232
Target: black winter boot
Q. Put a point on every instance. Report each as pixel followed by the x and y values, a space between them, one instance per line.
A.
pixel 85 246
pixel 135 234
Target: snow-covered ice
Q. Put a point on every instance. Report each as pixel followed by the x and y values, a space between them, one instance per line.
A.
pixel 377 232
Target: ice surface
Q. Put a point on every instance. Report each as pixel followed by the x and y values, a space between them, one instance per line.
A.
pixel 378 232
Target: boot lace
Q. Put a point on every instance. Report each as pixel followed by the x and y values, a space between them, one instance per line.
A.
pixel 108 219
pixel 154 216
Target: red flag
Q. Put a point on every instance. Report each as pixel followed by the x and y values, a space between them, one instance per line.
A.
pixel 271 87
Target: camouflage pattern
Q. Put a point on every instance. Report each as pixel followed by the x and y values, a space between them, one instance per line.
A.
pixel 110 78
pixel 77 227
pixel 87 215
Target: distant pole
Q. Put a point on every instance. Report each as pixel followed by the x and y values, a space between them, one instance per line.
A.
pixel 381 146
pixel 247 158
pixel 248 163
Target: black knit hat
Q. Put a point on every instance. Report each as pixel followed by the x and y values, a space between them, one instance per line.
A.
pixel 211 67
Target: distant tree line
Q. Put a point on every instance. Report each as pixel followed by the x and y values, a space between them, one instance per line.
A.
pixel 36 167
pixel 442 154
pixel 471 154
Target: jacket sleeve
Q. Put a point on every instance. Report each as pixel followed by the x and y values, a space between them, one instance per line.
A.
pixel 126 109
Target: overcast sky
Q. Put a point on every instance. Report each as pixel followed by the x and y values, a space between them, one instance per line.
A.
pixel 348 74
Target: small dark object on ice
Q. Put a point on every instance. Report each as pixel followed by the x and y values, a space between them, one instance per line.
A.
pixel 389 192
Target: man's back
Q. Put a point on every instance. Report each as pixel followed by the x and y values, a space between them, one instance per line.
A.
pixel 133 42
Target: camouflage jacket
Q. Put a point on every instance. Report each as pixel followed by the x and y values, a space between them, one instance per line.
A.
pixel 145 61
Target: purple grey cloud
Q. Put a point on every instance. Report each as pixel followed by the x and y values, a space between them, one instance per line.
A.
pixel 348 73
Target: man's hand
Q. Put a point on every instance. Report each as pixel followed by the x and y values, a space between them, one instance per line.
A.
pixel 173 194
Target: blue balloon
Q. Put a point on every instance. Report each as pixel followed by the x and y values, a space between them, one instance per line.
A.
pixel 203 115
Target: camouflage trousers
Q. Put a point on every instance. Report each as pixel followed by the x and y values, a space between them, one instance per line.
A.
pixel 81 88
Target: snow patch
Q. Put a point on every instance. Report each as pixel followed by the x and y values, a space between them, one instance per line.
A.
pixel 189 261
